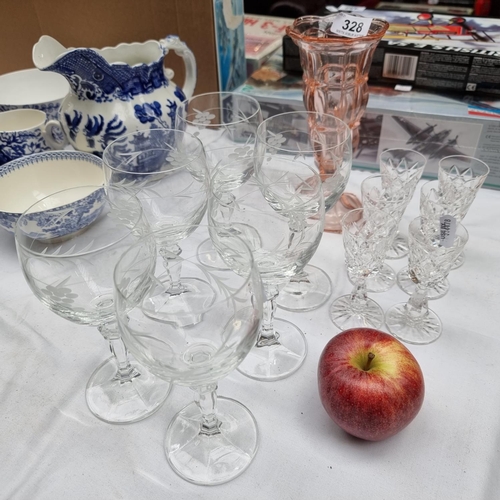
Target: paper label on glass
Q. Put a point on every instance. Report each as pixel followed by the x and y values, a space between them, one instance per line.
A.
pixel 448 228
pixel 350 26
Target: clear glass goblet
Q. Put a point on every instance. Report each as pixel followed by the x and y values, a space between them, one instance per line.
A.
pixel 226 123
pixel 460 178
pixel 429 261
pixel 376 194
pixel 401 169
pixel 213 439
pixel 280 215
pixel 365 234
pixel 68 244
pixel 167 171
pixel 323 142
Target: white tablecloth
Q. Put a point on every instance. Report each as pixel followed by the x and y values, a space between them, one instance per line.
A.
pixel 51 447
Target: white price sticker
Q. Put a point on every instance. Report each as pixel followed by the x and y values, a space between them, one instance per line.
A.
pixel 448 228
pixel 350 26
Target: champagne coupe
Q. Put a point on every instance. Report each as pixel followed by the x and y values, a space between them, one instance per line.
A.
pixel 321 141
pixel 213 439
pixel 167 171
pixel 365 234
pixel 401 169
pixel 280 215
pixel 433 249
pixel 226 124
pixel 71 272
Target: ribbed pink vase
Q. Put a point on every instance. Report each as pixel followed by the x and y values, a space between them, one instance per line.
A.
pixel 336 67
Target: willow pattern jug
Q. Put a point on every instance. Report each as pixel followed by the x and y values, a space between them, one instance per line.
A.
pixel 116 90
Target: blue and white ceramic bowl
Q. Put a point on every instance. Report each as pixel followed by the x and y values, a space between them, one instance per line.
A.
pixel 27 180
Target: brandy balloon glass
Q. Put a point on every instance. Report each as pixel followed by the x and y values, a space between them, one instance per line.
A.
pixel 213 439
pixel 323 142
pixel 68 255
pixel 226 124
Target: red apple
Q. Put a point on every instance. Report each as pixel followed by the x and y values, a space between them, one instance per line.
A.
pixel 369 383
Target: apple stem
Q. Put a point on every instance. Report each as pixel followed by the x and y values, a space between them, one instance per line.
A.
pixel 369 361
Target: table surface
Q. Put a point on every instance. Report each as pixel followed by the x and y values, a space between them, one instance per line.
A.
pixel 51 447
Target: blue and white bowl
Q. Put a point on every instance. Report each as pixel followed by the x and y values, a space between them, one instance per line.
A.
pixel 27 180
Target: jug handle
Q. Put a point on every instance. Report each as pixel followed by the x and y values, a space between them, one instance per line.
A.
pixel 174 43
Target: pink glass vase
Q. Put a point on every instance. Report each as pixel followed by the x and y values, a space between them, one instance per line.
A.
pixel 336 67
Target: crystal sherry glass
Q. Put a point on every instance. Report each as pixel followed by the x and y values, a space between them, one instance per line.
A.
pixel 321 141
pixel 280 215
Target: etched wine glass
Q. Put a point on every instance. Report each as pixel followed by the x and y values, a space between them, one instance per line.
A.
pixel 401 169
pixel 365 234
pixel 213 439
pixel 323 142
pixel 433 248
pixel 226 123
pixel 280 215
pixel 167 171
pixel 68 251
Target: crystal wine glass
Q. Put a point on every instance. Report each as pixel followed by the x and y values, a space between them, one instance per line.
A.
pixel 433 249
pixel 167 171
pixel 226 124
pixel 365 234
pixel 72 274
pixel 401 169
pixel 213 439
pixel 280 215
pixel 321 141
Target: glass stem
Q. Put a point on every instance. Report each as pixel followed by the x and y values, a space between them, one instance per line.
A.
pixel 206 400
pixel 172 265
pixel 418 305
pixel 359 295
pixel 125 371
pixel 268 335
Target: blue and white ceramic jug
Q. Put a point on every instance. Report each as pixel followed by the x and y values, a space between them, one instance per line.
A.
pixel 116 90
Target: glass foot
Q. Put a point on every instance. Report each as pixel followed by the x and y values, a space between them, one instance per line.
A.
pixel 411 329
pixel 398 249
pixel 306 292
pixel 381 281
pixel 346 203
pixel 184 307
pixel 208 256
pixel 408 286
pixel 216 458
pixel 277 361
pixel 346 314
pixel 118 402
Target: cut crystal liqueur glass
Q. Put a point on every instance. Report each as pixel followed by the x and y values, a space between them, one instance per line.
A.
pixel 429 261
